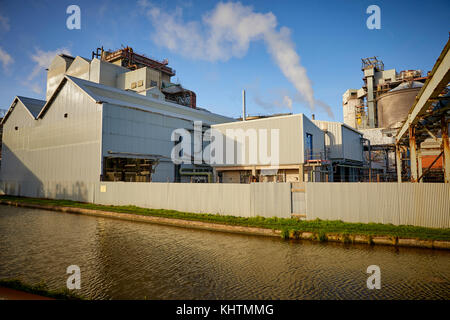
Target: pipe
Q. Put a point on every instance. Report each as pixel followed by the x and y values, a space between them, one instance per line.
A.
pixel 243 105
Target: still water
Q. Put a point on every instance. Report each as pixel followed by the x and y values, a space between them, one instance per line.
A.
pixel 132 260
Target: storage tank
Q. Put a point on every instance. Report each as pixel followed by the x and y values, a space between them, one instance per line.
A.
pixel 393 106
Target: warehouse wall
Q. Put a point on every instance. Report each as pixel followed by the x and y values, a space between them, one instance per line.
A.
pixel 352 146
pixel 53 148
pixel 104 72
pixel 292 129
pixel 419 204
pixel 128 130
pixel 308 126
pixel 343 142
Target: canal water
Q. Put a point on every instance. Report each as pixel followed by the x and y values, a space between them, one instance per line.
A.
pixel 133 260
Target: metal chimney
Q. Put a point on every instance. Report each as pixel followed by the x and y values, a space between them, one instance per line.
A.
pixel 243 105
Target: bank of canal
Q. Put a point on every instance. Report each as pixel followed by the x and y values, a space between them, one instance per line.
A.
pixel 317 230
pixel 122 259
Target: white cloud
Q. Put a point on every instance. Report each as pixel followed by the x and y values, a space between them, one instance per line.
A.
pixel 226 32
pixel 42 60
pixel 5 59
pixel 4 23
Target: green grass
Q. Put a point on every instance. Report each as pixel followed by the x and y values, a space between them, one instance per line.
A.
pixel 40 289
pixel 286 225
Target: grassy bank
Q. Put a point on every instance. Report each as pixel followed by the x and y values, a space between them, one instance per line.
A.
pixel 39 289
pixel 288 227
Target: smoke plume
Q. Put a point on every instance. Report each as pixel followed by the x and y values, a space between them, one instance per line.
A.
pixel 227 32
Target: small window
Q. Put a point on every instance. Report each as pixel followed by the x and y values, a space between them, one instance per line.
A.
pixel 153 83
pixel 16 128
pixel 65 115
pixel 140 83
pixel 133 85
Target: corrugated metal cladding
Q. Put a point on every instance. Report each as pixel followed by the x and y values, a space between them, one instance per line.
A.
pixel 64 145
pixel 292 131
pixel 343 142
pixel 244 200
pixel 136 131
pixel 418 204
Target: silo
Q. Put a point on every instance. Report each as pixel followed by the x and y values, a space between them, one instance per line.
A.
pixel 393 106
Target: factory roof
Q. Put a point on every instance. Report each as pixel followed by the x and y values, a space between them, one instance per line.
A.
pixel 338 123
pixel 105 94
pixel 33 106
pixel 408 85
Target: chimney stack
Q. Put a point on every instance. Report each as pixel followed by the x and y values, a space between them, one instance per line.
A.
pixel 243 105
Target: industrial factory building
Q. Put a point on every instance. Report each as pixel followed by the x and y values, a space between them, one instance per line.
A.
pixel 380 108
pixel 112 118
pixel 102 121
pixel 301 151
pixel 309 150
pixel 344 150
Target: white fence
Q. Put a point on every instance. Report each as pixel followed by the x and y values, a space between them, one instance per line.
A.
pixel 245 200
pixel 418 204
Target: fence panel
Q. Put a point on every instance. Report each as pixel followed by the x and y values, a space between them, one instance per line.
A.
pixel 244 200
pixel 419 204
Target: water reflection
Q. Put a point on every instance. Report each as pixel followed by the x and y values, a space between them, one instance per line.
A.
pixel 132 260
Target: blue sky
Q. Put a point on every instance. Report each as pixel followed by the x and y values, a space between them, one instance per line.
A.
pixel 329 37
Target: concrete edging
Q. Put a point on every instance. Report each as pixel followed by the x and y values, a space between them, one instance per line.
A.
pixel 331 237
pixel 156 220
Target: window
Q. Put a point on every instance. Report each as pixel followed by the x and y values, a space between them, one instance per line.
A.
pixel 309 146
pixel 16 128
pixel 128 169
pixel 65 115
pixel 133 85
pixel 153 83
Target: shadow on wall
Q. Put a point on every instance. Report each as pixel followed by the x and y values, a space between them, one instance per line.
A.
pixel 16 179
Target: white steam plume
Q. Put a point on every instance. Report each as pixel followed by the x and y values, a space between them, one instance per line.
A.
pixel 227 32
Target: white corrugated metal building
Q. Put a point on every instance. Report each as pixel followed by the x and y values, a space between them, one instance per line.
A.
pixel 301 150
pixel 345 149
pixel 64 143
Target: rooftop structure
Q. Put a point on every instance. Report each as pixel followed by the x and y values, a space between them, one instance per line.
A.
pixel 361 107
pixel 379 107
